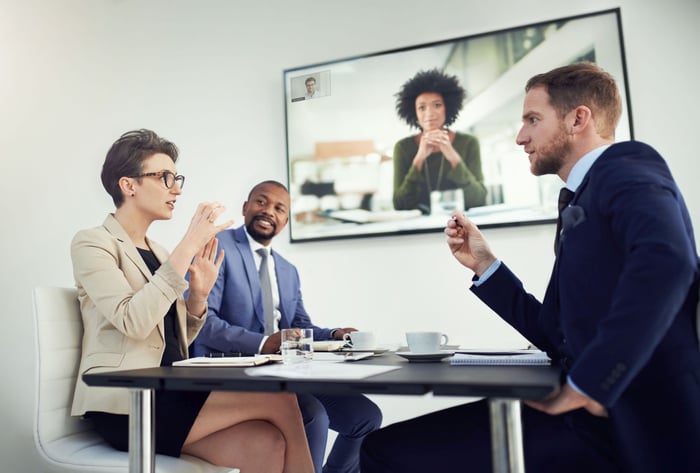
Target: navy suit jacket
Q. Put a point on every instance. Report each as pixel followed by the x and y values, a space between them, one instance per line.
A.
pixel 235 321
pixel 619 310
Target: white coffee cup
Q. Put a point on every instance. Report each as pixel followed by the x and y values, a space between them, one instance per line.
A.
pixel 361 340
pixel 426 342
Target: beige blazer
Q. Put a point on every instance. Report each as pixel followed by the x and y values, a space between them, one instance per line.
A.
pixel 123 307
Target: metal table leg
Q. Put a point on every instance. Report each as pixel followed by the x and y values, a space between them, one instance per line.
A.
pixel 506 436
pixel 141 431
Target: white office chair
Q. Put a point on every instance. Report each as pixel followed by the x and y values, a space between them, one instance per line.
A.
pixel 62 439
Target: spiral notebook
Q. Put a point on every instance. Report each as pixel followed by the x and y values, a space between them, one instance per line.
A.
pixel 516 357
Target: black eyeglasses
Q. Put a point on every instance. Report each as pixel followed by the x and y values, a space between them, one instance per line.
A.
pixel 168 177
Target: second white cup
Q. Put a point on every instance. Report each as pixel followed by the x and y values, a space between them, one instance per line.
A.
pixel 426 342
pixel 361 340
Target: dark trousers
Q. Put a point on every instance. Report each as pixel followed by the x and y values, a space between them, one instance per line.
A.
pixel 459 439
pixel 352 416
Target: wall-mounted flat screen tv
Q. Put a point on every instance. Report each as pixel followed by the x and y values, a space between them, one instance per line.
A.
pixel 351 130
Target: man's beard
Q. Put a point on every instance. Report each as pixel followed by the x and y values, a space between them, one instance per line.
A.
pixel 550 157
pixel 260 236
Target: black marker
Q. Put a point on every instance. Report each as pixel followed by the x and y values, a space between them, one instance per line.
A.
pixel 224 354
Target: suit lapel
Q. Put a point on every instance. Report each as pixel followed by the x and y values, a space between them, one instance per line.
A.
pixel 128 248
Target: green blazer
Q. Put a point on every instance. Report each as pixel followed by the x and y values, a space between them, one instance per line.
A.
pixel 412 187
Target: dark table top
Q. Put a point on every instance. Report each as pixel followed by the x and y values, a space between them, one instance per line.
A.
pixel 440 378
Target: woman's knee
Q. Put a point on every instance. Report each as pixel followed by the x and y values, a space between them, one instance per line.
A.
pixel 259 443
pixel 269 439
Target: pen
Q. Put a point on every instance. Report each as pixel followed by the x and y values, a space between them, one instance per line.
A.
pixel 224 354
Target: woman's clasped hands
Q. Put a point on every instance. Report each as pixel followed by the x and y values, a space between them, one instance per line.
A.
pixel 433 141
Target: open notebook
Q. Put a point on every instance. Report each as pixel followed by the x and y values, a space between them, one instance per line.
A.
pixel 329 345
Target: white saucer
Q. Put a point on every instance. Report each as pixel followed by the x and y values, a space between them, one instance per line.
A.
pixel 376 351
pixel 425 357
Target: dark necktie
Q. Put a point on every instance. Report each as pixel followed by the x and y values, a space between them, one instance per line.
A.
pixel 565 196
pixel 266 289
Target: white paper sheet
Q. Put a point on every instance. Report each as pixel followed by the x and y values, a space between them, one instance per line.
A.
pixel 313 370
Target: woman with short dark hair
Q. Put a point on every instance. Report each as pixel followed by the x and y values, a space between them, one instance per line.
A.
pixel 131 294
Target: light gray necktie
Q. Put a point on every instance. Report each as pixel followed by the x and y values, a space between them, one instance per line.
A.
pixel 266 289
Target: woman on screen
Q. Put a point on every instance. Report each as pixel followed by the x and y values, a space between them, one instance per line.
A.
pixel 437 158
pixel 135 316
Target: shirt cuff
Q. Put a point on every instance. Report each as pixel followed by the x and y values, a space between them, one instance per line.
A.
pixel 262 342
pixel 487 274
pixel 571 383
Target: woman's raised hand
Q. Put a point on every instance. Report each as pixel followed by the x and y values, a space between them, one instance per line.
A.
pixel 203 273
pixel 203 226
pixel 199 234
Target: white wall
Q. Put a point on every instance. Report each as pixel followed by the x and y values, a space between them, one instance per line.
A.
pixel 74 74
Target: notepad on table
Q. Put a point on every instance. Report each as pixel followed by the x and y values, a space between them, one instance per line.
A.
pixel 516 357
pixel 329 345
pixel 225 361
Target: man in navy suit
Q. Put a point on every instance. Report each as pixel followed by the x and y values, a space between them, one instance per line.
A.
pixel 236 323
pixel 618 314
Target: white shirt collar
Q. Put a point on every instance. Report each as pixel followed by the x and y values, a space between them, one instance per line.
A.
pixel 254 245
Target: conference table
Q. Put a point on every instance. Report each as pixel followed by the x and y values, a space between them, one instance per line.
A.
pixel 503 386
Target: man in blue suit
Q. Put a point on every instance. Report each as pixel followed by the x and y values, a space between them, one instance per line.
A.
pixel 236 323
pixel 618 315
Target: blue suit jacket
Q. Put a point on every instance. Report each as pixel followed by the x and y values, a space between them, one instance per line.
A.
pixel 235 321
pixel 619 310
